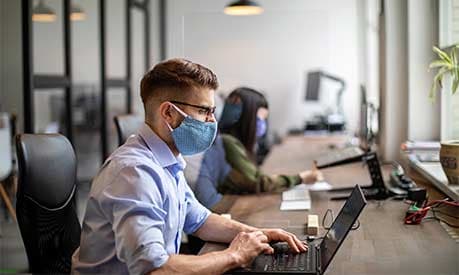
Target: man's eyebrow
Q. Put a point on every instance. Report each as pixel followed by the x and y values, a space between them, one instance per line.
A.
pixel 208 107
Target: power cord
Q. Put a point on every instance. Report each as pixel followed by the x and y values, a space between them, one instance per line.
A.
pixel 330 212
pixel 354 226
pixel 419 214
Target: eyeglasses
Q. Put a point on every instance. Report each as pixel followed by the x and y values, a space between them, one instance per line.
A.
pixel 204 110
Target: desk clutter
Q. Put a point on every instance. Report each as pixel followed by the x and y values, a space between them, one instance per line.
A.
pixel 298 197
pixel 380 230
pixel 400 186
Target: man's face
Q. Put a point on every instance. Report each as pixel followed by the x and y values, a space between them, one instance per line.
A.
pixel 200 105
pixel 203 101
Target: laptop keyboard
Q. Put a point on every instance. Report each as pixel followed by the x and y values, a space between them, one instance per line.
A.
pixel 285 260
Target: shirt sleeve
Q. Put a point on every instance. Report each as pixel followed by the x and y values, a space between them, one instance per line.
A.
pixel 245 177
pixel 196 213
pixel 133 204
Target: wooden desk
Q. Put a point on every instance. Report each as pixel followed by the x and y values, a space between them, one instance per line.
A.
pixel 382 244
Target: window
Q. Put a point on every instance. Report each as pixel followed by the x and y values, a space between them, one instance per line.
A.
pixel 449 36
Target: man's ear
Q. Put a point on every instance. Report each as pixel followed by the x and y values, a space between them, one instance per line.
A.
pixel 166 112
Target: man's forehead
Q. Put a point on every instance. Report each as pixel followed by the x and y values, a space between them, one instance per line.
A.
pixel 203 96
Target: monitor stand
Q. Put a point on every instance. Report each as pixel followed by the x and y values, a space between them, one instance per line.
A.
pixel 370 193
pixel 377 190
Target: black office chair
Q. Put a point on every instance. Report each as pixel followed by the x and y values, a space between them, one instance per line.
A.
pixel 127 125
pixel 45 205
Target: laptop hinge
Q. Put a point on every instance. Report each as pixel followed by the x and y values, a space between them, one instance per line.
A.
pixel 319 264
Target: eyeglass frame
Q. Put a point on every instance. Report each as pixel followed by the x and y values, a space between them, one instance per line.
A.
pixel 209 110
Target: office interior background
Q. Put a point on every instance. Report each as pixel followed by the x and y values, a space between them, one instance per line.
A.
pixel 73 76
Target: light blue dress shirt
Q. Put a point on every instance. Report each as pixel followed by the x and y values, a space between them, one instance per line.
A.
pixel 138 205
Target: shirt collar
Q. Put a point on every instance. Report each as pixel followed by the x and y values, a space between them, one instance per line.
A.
pixel 160 149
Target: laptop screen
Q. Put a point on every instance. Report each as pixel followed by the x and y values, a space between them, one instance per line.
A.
pixel 341 226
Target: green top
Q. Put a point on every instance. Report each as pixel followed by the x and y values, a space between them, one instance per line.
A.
pixel 245 177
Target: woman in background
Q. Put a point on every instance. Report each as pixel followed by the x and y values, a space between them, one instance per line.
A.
pixel 229 166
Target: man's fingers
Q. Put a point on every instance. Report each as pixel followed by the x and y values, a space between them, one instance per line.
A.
pixel 295 244
pixel 268 250
pixel 257 233
pixel 266 247
pixel 263 238
pixel 301 245
pixel 292 244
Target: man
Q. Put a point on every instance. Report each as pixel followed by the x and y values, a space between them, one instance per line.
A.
pixel 139 202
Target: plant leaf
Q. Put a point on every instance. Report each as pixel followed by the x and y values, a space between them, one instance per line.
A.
pixel 444 56
pixel 454 69
pixel 432 93
pixel 438 63
pixel 432 96
pixel 440 74
pixel 437 81
pixel 455 85
pixel 453 57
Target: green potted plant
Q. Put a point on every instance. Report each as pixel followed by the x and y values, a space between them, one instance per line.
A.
pixel 447 65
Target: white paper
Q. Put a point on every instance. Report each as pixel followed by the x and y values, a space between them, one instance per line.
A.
pixel 295 205
pixel 296 194
pixel 317 186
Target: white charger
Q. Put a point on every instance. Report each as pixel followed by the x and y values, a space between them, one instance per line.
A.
pixel 313 225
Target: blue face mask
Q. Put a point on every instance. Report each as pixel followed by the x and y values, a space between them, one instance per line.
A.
pixel 261 127
pixel 230 114
pixel 193 136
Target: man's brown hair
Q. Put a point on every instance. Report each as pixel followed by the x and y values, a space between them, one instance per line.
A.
pixel 175 77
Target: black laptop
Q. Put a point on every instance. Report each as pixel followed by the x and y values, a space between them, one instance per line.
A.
pixel 319 255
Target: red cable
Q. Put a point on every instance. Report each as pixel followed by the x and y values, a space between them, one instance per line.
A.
pixel 452 203
pixel 419 215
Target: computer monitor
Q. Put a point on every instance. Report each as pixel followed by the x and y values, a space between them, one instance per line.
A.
pixel 313 85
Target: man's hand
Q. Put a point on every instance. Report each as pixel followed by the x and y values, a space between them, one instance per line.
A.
pixel 279 235
pixel 246 246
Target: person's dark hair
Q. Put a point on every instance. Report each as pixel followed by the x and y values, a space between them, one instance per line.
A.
pixel 245 128
pixel 171 79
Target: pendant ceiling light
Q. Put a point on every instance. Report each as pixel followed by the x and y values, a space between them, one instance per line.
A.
pixel 243 7
pixel 43 13
pixel 77 13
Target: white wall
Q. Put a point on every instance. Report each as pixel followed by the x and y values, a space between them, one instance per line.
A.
pixel 272 52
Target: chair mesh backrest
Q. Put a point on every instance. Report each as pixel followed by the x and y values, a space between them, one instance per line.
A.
pixel 45 201
pixel 127 125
